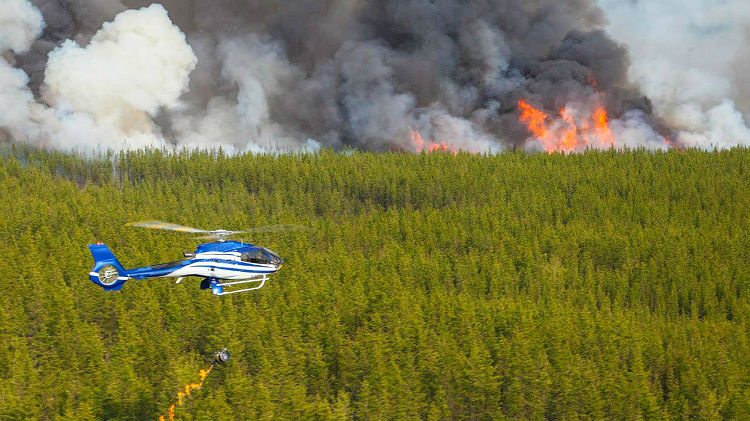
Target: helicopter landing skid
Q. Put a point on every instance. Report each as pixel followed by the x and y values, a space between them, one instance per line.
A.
pixel 217 288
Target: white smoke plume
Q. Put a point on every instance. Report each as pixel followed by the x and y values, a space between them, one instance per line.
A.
pixel 21 24
pixel 692 58
pixel 131 68
pixel 261 75
pixel 101 96
pixel 16 105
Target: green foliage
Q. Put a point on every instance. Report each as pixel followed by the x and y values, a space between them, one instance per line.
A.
pixel 432 287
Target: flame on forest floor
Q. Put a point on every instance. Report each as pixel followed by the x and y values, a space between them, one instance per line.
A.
pixel 428 146
pixel 184 393
pixel 572 130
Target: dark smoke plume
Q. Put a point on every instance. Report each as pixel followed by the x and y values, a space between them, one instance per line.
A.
pixel 286 76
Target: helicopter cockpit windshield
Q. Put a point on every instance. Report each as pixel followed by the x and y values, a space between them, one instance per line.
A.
pixel 261 255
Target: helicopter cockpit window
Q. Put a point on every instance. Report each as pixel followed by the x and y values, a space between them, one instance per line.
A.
pixel 260 255
pixel 254 256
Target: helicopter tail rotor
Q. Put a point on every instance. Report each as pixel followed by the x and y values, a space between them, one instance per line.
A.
pixel 107 272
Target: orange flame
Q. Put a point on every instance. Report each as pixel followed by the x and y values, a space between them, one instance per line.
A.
pixel 185 392
pixel 569 132
pixel 428 146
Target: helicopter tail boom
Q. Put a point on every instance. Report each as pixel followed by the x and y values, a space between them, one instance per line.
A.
pixel 107 272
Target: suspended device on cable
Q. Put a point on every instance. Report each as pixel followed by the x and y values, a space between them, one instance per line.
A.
pixel 221 356
pixel 227 267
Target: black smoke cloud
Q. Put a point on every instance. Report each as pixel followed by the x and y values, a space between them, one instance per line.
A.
pixel 281 75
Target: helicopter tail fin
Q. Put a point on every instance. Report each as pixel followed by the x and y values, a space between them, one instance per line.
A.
pixel 107 272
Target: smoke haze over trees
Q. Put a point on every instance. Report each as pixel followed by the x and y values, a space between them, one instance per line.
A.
pixel 288 76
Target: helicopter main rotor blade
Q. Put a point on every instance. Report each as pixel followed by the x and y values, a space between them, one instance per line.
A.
pixel 219 234
pixel 272 228
pixel 159 225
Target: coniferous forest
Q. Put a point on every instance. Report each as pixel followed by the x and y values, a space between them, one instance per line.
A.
pixel 602 285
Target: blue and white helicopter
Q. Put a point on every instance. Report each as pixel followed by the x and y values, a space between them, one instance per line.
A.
pixel 220 263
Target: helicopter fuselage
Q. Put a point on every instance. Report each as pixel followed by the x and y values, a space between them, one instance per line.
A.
pixel 221 260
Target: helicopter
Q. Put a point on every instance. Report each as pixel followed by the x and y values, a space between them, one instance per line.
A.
pixel 224 265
